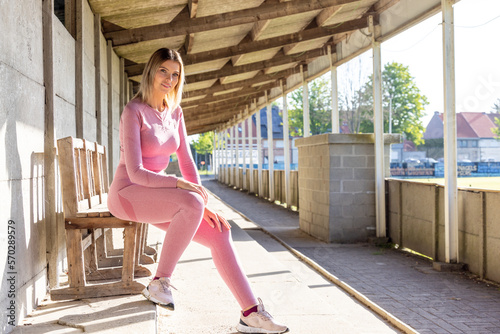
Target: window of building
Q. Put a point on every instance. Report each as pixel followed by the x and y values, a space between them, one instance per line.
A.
pixel 462 143
pixel 473 143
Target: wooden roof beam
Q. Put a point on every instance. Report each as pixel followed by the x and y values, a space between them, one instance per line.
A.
pixel 183 25
pixel 193 8
pixel 230 97
pixel 280 41
pixel 244 83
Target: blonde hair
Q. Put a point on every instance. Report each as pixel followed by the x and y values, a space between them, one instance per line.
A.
pixel 145 93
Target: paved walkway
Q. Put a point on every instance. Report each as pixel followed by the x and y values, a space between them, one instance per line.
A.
pixel 404 285
pixel 292 291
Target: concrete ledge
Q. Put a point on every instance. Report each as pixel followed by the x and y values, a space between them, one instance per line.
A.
pixel 448 267
pixel 341 138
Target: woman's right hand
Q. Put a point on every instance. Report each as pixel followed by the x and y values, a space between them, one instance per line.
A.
pixel 183 184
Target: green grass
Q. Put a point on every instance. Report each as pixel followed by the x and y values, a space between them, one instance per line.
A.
pixel 491 183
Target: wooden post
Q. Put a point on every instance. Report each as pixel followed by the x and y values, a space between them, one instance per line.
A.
pixel 286 145
pixel 450 136
pixel 250 152
pixel 109 54
pixel 305 103
pixel 378 122
pixel 97 63
pixel 236 142
pixel 79 69
pixel 334 92
pixel 270 149
pixel 259 153
pixel 49 166
pixel 122 85
pixel 243 146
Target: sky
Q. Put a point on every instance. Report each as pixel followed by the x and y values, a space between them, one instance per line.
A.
pixel 477 56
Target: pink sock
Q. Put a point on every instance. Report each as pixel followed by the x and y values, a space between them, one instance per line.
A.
pixel 250 311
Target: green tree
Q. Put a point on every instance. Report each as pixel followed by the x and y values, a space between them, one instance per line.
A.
pixel 403 97
pixel 319 108
pixel 205 143
pixel 496 109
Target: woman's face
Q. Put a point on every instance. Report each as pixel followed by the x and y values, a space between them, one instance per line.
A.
pixel 166 77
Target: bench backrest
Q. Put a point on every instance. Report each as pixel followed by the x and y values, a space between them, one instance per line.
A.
pixel 84 178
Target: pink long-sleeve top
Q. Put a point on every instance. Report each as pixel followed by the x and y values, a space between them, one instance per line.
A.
pixel 147 139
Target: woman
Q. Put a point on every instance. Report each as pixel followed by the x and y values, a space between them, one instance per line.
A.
pixel 151 129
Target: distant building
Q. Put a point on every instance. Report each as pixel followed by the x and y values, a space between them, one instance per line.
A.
pixel 475 138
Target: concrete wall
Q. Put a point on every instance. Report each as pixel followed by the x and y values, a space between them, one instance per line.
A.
pixel 22 117
pixel 21 158
pixel 416 221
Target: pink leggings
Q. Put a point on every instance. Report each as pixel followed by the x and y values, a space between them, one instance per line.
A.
pixel 180 213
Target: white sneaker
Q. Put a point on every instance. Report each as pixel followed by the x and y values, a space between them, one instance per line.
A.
pixel 260 322
pixel 159 292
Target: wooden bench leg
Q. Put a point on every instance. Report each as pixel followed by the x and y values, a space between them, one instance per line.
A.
pixel 74 250
pixel 129 250
pixel 142 257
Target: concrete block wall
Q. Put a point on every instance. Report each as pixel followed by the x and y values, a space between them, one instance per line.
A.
pixel 22 118
pixel 416 221
pixel 337 186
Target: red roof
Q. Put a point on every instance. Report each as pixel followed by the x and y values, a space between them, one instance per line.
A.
pixel 469 125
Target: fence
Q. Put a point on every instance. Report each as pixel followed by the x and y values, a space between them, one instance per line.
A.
pixel 226 176
pixel 416 221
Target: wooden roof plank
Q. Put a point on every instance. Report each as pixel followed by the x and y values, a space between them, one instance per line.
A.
pixel 199 24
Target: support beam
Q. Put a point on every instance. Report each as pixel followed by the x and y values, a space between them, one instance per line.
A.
pixel 109 54
pixel 270 149
pixel 450 136
pixel 286 145
pixel 97 64
pixel 49 157
pixel 236 132
pixel 334 94
pixel 378 123
pixel 305 103
pixel 250 152
pixel 79 69
pixel 259 151
pixel 244 153
pixel 226 154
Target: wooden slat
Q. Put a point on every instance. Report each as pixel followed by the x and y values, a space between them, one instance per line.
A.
pixel 97 290
pixel 95 222
pixel 114 273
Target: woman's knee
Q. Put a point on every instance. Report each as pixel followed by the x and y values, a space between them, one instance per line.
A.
pixel 194 201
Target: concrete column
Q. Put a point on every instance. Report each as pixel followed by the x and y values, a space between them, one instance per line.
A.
pixel 450 136
pixel 378 129
pixel 122 85
pixel 286 146
pixel 259 153
pixel 305 104
pixel 79 69
pixel 97 63
pixel 335 100
pixel 110 148
pixel 250 152
pixel 243 145
pixel 49 166
pixel 270 149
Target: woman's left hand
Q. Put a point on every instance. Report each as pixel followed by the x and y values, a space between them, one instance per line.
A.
pixel 214 219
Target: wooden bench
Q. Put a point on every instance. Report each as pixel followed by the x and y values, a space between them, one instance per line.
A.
pixel 88 224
